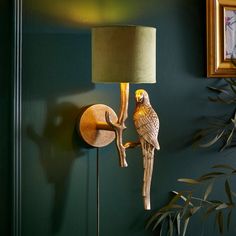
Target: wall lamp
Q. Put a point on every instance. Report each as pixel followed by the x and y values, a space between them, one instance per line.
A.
pixel 120 54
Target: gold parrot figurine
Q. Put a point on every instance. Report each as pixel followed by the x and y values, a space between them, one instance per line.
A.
pixel 147 125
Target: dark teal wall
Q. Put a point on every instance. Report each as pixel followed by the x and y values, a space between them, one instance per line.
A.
pixel 59 177
pixel 5 78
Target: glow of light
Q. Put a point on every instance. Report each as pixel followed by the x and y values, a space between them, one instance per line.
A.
pixel 86 12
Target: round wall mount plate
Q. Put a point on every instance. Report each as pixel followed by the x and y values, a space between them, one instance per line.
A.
pixel 87 125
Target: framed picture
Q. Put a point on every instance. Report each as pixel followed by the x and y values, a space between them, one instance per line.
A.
pixel 221 38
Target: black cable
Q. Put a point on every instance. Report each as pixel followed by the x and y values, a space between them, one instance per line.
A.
pixel 98 195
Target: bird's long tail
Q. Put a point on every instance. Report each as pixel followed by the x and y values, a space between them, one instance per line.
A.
pixel 148 161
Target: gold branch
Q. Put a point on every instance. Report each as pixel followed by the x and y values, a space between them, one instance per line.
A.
pixel 119 127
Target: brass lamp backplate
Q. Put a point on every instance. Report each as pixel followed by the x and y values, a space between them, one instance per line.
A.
pixel 90 123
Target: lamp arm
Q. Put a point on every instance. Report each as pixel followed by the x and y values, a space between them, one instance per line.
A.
pixel 119 127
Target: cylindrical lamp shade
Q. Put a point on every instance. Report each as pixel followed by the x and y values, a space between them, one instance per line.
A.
pixel 124 54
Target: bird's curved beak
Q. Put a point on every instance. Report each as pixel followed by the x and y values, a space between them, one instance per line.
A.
pixel 139 97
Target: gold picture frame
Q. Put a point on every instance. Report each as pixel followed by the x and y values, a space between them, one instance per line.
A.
pixel 221 38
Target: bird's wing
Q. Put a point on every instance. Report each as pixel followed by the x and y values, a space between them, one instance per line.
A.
pixel 147 125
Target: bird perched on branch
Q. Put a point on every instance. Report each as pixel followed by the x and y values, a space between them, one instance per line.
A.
pixel 147 125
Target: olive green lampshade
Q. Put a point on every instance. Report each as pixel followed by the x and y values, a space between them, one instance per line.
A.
pixel 124 54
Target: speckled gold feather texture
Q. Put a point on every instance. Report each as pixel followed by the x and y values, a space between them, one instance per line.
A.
pixel 147 125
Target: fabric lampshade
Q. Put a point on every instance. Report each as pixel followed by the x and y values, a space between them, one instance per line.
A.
pixel 124 54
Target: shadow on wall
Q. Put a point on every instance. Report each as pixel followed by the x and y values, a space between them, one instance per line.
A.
pixel 55 66
pixel 58 146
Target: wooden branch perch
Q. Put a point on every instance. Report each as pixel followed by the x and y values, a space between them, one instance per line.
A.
pixel 131 145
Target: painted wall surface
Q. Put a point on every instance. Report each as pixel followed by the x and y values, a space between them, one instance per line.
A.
pixel 59 177
pixel 5 78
